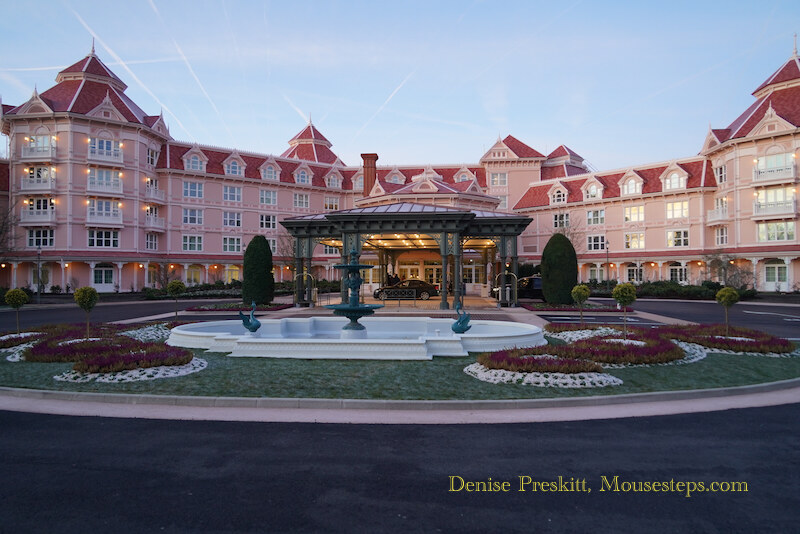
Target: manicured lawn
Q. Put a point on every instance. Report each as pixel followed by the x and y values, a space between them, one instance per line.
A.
pixel 441 379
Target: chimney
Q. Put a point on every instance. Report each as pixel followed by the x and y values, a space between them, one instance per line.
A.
pixel 369 171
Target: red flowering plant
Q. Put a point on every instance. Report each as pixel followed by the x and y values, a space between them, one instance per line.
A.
pixel 136 355
pixel 525 360
pixel 718 336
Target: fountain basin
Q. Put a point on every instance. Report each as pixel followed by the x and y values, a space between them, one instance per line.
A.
pixel 395 338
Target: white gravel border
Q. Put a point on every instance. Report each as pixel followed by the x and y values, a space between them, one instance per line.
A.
pixel 135 375
pixel 553 380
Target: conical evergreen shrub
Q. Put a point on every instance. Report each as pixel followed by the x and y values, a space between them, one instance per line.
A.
pixel 259 283
pixel 559 270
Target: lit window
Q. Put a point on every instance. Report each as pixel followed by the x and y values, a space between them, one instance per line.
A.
pixel 192 243
pixel 595 217
pixel 776 231
pixel 232 193
pixel 634 213
pixel 231 244
pixel 635 274
pixel 40 175
pixel 634 240
pixel 675 181
pixel 268 197
pixel 632 187
pixel 230 218
pixel 331 203
pixel 678 238
pixel 498 179
pixel 677 210
pixel 328 250
pixel 300 200
pixel 677 273
pixel 267 221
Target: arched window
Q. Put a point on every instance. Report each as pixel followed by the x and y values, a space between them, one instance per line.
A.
pixel 675 181
pixel 632 187
pixel 268 173
pixel 463 177
pixel 559 197
pixel 195 163
pixel 591 191
pixel 233 168
pixel 302 177
pixel 358 184
pixel 333 181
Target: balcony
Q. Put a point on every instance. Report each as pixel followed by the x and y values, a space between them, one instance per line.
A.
pixel 154 193
pixel 104 186
pixel 787 173
pixel 38 153
pixel 112 155
pixel 103 218
pixel 39 185
pixel 37 217
pixel 151 222
pixel 717 215
pixel 769 210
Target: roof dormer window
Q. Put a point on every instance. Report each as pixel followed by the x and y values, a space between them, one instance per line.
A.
pixel 395 179
pixel 301 177
pixel 358 183
pixel 268 173
pixel 632 187
pixel 675 181
pixel 334 181
pixel 194 163
pixel 463 177
pixel 233 168
pixel 592 191
pixel 559 197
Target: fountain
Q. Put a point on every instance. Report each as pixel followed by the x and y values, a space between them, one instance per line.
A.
pixel 353 309
pixel 380 338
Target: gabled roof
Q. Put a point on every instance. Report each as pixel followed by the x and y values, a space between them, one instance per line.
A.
pixel 310 145
pixel 91 65
pixel 520 149
pixel 788 71
pixel 561 151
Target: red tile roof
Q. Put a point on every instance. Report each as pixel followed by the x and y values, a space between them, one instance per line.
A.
pixel 788 71
pixel 534 197
pixel 520 149
pixel 91 64
pixel 562 151
pixel 310 133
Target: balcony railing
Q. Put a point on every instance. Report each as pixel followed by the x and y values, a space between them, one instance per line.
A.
pixel 788 172
pixel 717 215
pixel 38 185
pixel 104 186
pixel 38 216
pixel 154 193
pixel 774 209
pixel 113 155
pixel 104 218
pixel 38 153
pixel 154 223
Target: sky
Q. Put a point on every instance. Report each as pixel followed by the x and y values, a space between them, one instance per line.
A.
pixel 418 82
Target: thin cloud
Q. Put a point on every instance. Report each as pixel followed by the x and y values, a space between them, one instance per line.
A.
pixel 299 112
pixel 385 103
pixel 131 73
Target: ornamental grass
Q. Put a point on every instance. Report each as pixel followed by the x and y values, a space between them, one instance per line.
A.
pixel 524 360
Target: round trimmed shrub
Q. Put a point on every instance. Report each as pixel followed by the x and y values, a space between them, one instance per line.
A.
pixel 86 297
pixel 559 270
pixel 259 283
pixel 16 298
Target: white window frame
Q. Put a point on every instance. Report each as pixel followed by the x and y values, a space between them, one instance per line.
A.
pixel 269 173
pixel 300 200
pixel 634 241
pixel 192 243
pixel 559 197
pixel 560 220
pixel 677 238
pixel 632 186
pixel 268 197
pixel 721 236
pixel 633 213
pixel 232 219
pixel 231 193
pixel 192 189
pixel 195 163
pixel 192 216
pixel 678 209
pixel 41 237
pixel 102 238
pixel 273 244
pixel 595 217
pixel 302 177
pixel 775 231
pixel 267 222
pixel 498 179
pixel 231 244
pixel 595 242
pixel 331 203
pixel 234 168
pixel 151 241
pixel 721 174
pixel 674 181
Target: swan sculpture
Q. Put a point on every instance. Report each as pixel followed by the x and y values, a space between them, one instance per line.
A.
pixel 251 323
pixel 461 324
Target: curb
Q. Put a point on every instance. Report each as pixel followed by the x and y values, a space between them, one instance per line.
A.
pixel 416 405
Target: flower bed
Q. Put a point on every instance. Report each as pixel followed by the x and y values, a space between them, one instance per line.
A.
pixel 238 306
pixel 535 359
pixel 714 336
pixel 589 308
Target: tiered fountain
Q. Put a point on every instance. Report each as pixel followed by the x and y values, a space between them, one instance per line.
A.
pixel 353 309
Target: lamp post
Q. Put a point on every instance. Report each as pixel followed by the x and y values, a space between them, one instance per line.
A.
pixel 608 280
pixel 38 275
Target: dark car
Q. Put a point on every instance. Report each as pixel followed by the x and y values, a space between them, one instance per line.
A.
pixel 407 289
pixel 528 287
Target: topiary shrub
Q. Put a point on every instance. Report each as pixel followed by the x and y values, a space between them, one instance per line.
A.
pixel 727 297
pixel 559 270
pixel 259 283
pixel 624 294
pixel 16 298
pixel 86 298
pixel 580 294
pixel 175 288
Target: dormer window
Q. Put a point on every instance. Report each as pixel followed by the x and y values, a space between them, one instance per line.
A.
pixel 463 177
pixel 675 181
pixel 233 168
pixel 592 191
pixel 559 197
pixel 268 173
pixel 194 163
pixel 632 187
pixel 301 177
pixel 333 181
pixel 395 179
pixel 358 184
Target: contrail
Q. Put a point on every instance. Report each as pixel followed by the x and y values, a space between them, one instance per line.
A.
pixel 194 75
pixel 295 108
pixel 132 75
pixel 384 104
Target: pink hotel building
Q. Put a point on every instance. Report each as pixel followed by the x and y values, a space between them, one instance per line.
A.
pixel 100 194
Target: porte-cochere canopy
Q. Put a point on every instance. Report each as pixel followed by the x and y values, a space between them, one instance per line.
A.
pixel 404 226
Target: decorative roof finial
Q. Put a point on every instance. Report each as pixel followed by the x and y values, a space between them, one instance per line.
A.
pixel 92 52
pixel 309 118
pixel 795 44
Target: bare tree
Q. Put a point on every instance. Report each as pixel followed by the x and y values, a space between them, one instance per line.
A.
pixel 570 224
pixel 725 269
pixel 162 274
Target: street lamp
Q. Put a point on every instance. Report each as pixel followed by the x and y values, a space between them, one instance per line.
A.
pixel 608 280
pixel 38 275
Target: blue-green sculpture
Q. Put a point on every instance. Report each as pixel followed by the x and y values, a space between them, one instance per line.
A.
pixel 351 307
pixel 461 324
pixel 251 323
